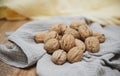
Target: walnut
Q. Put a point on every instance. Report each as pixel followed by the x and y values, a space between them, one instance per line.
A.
pixel 67 42
pixel 84 31
pixel 74 55
pixel 76 23
pixel 51 35
pixel 52 45
pixel 39 38
pixel 59 28
pixel 80 44
pixel 92 44
pixel 59 57
pixel 100 36
pixel 72 32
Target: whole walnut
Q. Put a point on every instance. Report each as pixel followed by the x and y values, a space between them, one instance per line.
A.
pixel 51 45
pixel 51 35
pixel 84 31
pixel 39 37
pixel 72 32
pixel 74 55
pixel 100 36
pixel 76 23
pixel 59 28
pixel 92 44
pixel 59 57
pixel 67 42
pixel 80 44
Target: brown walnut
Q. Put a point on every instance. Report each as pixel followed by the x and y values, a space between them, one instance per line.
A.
pixel 59 57
pixel 80 44
pixel 39 37
pixel 72 32
pixel 59 28
pixel 67 42
pixel 74 55
pixel 52 45
pixel 100 36
pixel 92 44
pixel 51 35
pixel 84 31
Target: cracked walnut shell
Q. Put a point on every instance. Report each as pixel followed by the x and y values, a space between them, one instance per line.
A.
pixel 100 36
pixel 84 31
pixel 51 35
pixel 92 44
pixel 51 45
pixel 67 42
pixel 39 37
pixel 72 32
pixel 80 44
pixel 59 57
pixel 59 28
pixel 74 55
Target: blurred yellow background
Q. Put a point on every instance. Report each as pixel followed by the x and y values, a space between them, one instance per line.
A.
pixel 101 11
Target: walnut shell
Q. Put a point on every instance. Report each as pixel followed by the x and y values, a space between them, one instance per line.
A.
pixel 72 32
pixel 100 36
pixel 59 57
pixel 59 28
pixel 84 31
pixel 74 55
pixel 52 45
pixel 39 37
pixel 80 44
pixel 67 42
pixel 76 23
pixel 51 35
pixel 59 37
pixel 92 44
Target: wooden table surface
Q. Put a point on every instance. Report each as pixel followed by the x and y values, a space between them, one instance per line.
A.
pixel 7 70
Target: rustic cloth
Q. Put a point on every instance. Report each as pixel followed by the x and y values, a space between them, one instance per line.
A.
pixel 25 52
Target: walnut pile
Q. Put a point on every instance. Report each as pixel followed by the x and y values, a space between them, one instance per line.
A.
pixel 68 43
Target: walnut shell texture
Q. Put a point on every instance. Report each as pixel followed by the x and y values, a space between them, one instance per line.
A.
pixel 72 32
pixel 59 28
pixel 52 45
pixel 92 44
pixel 74 55
pixel 67 42
pixel 76 23
pixel 80 44
pixel 39 37
pixel 84 31
pixel 100 36
pixel 51 35
pixel 59 57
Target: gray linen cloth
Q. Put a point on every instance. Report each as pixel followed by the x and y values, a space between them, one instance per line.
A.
pixel 25 52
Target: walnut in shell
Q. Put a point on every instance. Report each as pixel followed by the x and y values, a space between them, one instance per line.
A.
pixel 100 36
pixel 39 38
pixel 72 32
pixel 92 44
pixel 80 44
pixel 59 28
pixel 74 55
pixel 59 57
pixel 51 35
pixel 76 23
pixel 84 31
pixel 67 42
pixel 51 45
